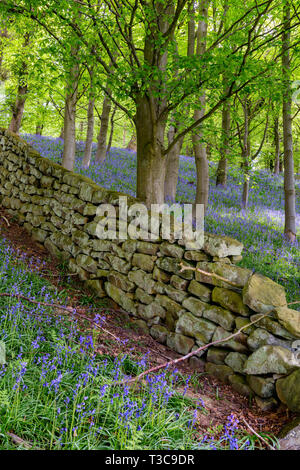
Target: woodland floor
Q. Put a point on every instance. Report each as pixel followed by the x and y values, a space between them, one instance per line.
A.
pixel 220 399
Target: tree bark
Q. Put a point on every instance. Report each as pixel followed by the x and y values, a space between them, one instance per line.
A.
pixel 132 143
pixel 102 137
pixel 112 125
pixel 68 159
pixel 149 121
pixel 3 73
pixel 172 167
pixel 39 129
pixel 18 109
pixel 225 143
pixel 90 132
pixel 151 162
pixel 277 146
pixel 246 155
pixel 19 104
pixel 197 138
pixel 289 178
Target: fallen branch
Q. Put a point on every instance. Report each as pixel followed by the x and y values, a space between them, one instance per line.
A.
pixel 192 353
pixel 5 220
pixel 20 442
pixel 257 435
pixel 191 268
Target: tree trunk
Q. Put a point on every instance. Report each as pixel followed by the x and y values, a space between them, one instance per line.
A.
pixel 102 137
pixel 225 142
pixel 132 143
pixel 68 159
pixel 3 73
pixel 172 167
pixel 151 110
pixel 289 178
pixel 18 109
pixel 197 139
pixel 39 129
pixel 246 155
pixel 89 133
pixel 277 146
pixel 151 162
pixel 112 125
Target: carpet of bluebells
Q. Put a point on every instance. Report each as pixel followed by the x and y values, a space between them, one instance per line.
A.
pixel 57 393
pixel 260 228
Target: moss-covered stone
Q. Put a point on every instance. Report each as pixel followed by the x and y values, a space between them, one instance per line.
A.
pixel 159 333
pixel 143 297
pixel 195 256
pixel 180 343
pixel 142 261
pixel 151 310
pixel 87 263
pixel 195 306
pixel 197 328
pixel 143 280
pixel 216 245
pixel 272 326
pixel 234 274
pixel 262 386
pixel 239 384
pixel 160 275
pixel 86 191
pixel 238 343
pixel 271 360
pixel 170 249
pixel 266 404
pixel 289 319
pixel 216 355
pixel 121 281
pixel 261 337
pixel 174 265
pixel 96 286
pixel 230 300
pixel 236 361
pixel 200 290
pixel 147 248
pixel 288 390
pixel 39 235
pixel 120 297
pixel 222 372
pixel 175 294
pixel 118 264
pixel 241 322
pixel 178 282
pixel 220 316
pixel 80 238
pixel 262 294
pixel 169 304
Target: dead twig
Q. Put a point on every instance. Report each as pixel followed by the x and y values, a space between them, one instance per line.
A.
pixel 5 220
pixel 257 435
pixel 191 268
pixel 19 441
pixel 192 353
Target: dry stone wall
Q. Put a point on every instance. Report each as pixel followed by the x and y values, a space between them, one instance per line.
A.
pixel 182 308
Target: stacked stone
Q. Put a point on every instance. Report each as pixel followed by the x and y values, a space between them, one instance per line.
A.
pixel 184 298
